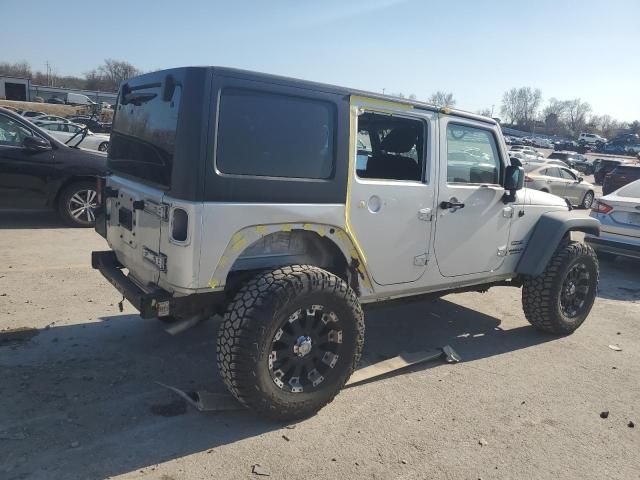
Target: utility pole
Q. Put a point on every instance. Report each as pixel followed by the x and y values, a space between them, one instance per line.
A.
pixel 383 91
pixel 492 110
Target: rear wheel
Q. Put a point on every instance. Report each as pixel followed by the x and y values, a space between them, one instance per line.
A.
pixel 289 341
pixel 77 203
pixel 559 300
pixel 103 146
pixel 587 201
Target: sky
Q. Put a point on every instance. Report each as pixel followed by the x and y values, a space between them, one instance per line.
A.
pixel 476 49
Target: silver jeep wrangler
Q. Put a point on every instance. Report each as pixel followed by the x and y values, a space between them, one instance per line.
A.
pixel 285 205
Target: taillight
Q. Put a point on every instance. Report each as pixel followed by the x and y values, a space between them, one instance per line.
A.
pixel 601 207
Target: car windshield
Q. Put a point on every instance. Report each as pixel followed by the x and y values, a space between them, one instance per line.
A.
pixel 632 190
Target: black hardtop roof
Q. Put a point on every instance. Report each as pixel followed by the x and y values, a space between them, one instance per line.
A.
pixel 294 82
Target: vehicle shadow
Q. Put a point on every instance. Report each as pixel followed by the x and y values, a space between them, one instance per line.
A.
pixel 619 279
pixel 29 219
pixel 81 401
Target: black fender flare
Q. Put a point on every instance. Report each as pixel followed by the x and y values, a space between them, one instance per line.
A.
pixel 547 235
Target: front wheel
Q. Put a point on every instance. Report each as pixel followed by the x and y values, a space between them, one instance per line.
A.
pixel 560 298
pixel 289 341
pixel 103 147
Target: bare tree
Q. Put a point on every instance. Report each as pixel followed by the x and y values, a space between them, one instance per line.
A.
pixel 485 112
pixel 442 99
pixel 576 115
pixel 510 108
pixel 529 101
pixel 114 72
pixel 17 69
pixel 520 105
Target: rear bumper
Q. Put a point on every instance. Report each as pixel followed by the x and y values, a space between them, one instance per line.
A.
pixel 159 302
pixel 614 246
pixel 145 302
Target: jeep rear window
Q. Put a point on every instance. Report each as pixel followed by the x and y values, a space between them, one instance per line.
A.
pixel 144 133
pixel 272 135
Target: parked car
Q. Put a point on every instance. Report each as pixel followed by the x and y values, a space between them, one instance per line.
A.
pixel 78 99
pixel 38 171
pixel 602 166
pixel 56 101
pixel 31 114
pixel 95 125
pixel 591 138
pixel 619 216
pixel 574 160
pixel 619 177
pixel 49 118
pixel 560 181
pixel 541 142
pixel 72 132
pixel 275 237
pixel 15 110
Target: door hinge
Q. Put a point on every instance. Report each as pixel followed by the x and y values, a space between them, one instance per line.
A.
pixel 160 210
pixel 507 212
pixel 421 260
pixel 157 259
pixel 425 214
pixel 502 251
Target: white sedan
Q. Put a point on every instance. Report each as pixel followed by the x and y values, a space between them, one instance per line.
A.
pixel 66 131
pixel 48 119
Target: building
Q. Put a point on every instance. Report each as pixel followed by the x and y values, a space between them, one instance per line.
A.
pixel 21 89
pixel 15 88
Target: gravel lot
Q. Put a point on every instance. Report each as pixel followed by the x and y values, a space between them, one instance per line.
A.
pixel 78 398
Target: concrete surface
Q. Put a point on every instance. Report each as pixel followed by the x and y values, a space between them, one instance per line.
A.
pixel 78 398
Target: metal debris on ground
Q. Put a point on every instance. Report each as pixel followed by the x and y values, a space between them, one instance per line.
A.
pixel 604 414
pixel 286 438
pixel 615 347
pixel 402 361
pixel 260 470
pixel 631 424
pixel 207 401
pixel 482 442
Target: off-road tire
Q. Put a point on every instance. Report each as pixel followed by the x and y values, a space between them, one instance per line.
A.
pixel 251 321
pixel 64 207
pixel 541 294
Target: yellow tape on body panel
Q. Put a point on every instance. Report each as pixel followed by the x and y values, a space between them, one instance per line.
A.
pixel 249 235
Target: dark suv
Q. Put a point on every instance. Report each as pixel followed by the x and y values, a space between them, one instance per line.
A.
pixel 37 171
pixel 603 166
pixel 619 177
pixel 574 160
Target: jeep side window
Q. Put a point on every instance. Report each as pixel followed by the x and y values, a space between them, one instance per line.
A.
pixel 393 147
pixel 267 134
pixel 472 155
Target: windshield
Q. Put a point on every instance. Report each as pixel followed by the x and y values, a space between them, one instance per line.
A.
pixel 144 132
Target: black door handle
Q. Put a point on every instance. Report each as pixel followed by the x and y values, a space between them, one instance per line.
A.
pixel 447 205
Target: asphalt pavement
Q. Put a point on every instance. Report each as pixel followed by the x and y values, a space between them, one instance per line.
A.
pixel 79 397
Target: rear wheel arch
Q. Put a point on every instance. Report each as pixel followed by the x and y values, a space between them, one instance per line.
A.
pixel 65 183
pixel 262 247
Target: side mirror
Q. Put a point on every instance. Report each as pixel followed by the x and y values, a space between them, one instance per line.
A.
pixel 36 144
pixel 513 181
pixel 580 179
pixel 514 178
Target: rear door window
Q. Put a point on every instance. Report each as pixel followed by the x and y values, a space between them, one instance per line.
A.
pixel 274 135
